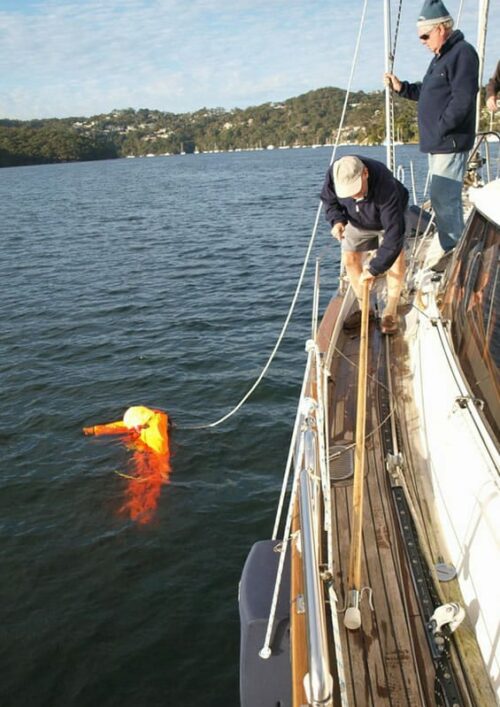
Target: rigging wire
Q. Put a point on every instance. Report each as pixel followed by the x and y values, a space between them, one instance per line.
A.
pixel 396 33
pixel 306 258
pixel 390 103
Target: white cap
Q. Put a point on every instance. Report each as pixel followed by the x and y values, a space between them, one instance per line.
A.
pixel 347 176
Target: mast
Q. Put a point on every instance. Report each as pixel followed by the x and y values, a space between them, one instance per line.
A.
pixel 482 27
pixel 389 61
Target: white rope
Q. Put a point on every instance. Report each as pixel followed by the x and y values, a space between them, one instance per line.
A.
pixel 418 243
pixel 326 432
pixel 306 259
pixel 265 651
pixel 427 182
pixel 315 308
pixel 344 700
pixel 323 458
pixel 278 342
pixel 413 186
pixel 351 76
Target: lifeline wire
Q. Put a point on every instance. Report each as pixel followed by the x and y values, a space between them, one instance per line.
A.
pixel 306 259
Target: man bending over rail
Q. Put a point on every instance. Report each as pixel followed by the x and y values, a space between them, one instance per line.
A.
pixel 363 202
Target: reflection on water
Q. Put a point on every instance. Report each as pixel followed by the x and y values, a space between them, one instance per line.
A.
pixel 149 472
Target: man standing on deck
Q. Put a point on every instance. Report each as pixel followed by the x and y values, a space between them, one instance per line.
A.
pixel 364 201
pixel 446 115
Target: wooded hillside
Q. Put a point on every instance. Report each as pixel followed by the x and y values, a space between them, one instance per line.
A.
pixel 309 119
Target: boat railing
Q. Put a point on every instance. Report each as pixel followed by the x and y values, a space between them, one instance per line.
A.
pixel 318 682
pixel 480 156
pixel 309 491
pixel 316 537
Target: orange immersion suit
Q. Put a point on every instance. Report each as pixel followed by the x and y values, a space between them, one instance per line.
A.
pixel 148 431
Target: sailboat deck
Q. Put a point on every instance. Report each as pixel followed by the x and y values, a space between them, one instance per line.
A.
pixel 386 661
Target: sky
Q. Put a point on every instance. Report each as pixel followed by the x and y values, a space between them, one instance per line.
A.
pixel 63 58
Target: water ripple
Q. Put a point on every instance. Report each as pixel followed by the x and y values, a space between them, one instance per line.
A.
pixel 160 282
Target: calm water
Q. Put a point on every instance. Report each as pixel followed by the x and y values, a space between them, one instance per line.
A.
pixel 161 282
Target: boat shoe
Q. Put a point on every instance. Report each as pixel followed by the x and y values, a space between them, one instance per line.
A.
pixel 353 321
pixel 389 324
pixel 442 263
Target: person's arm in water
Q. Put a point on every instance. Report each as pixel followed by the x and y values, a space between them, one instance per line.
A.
pixel 111 428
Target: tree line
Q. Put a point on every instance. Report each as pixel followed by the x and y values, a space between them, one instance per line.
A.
pixel 309 119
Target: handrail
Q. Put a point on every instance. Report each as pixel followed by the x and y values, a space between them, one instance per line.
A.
pixel 322 376
pixel 482 140
pixel 308 455
pixel 265 651
pixel 314 318
pixel 318 414
pixel 318 682
pixel 293 443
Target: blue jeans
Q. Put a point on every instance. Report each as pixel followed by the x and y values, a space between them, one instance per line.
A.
pixel 447 176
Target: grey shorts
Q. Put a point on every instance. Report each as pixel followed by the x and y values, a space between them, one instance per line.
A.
pixel 360 240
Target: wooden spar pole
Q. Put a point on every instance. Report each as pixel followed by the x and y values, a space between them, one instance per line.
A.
pixel 352 618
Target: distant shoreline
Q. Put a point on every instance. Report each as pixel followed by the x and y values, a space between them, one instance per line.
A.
pixel 309 120
pixel 207 152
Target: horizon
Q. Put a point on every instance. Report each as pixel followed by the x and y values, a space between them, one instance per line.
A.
pixel 67 59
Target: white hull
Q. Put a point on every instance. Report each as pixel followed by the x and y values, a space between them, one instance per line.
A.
pixel 463 467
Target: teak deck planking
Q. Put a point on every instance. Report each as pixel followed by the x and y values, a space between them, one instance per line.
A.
pixel 387 661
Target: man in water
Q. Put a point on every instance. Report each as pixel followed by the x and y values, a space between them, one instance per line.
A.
pixel 446 115
pixel 363 201
pixel 146 431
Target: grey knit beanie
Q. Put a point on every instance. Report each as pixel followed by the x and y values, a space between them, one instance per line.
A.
pixel 433 13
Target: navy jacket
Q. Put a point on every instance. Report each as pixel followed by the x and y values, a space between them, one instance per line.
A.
pixel 447 98
pixel 382 209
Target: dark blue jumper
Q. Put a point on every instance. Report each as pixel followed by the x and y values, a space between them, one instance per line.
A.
pixel 383 208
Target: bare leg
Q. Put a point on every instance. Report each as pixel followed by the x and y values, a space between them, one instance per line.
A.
pixel 395 277
pixel 354 267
